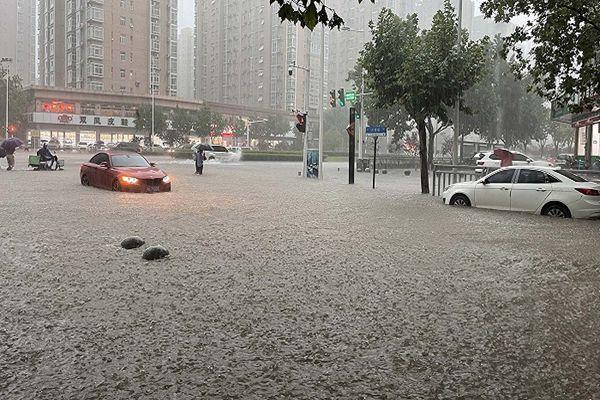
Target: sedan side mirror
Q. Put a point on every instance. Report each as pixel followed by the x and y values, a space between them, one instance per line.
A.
pixel 103 164
pixel 485 181
pixel 153 164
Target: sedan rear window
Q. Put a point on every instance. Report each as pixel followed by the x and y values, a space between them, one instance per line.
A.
pixel 129 160
pixel 571 176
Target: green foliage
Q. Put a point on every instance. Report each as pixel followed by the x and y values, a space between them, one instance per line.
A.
pixel 565 35
pixel 500 108
pixel 309 13
pixel 273 127
pixel 181 126
pixel 18 105
pixel 419 70
pixel 143 120
pixel 237 126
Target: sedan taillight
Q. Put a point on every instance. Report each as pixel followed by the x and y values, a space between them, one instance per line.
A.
pixel 589 192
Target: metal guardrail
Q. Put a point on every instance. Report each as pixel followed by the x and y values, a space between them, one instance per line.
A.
pixel 444 175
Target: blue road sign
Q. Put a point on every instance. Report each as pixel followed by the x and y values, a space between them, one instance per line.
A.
pixel 380 131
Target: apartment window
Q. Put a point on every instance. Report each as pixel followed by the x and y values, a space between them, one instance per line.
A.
pixel 95 32
pixel 96 51
pixel 122 39
pixel 96 69
pixel 123 56
pixel 95 13
pixel 122 73
pixel 123 21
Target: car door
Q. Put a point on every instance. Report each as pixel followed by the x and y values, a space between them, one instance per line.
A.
pixel 93 170
pixel 494 190
pixel 530 189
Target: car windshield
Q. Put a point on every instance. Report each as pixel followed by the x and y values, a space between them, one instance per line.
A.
pixel 571 176
pixel 129 160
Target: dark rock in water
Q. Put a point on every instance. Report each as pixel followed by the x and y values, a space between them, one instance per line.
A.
pixel 407 173
pixel 132 242
pixel 155 253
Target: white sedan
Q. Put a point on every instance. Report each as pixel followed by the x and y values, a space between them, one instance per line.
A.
pixel 490 160
pixel 538 190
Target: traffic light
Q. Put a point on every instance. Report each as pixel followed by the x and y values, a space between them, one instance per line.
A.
pixel 301 125
pixel 342 97
pixel 332 98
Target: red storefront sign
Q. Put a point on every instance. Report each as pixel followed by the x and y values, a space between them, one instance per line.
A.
pixel 58 107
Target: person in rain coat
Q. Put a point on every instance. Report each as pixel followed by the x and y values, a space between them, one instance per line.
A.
pixel 9 146
pixel 199 158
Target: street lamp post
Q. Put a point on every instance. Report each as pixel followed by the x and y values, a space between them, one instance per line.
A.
pixel 6 60
pixel 321 94
pixel 457 109
pixel 306 104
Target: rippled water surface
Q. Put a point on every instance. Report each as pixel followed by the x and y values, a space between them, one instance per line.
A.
pixel 278 287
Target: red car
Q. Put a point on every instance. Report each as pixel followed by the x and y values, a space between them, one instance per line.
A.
pixel 123 171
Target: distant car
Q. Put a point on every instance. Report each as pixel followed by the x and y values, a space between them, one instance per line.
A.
pixel 124 171
pixel 54 144
pixel 128 146
pixel 490 160
pixel 220 153
pixel 539 190
pixel 566 161
pixel 68 145
pixel 82 146
pixel 96 146
pixel 155 148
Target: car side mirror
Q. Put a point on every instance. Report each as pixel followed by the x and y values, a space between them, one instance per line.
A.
pixel 103 164
pixel 485 181
pixel 153 164
pixel 529 161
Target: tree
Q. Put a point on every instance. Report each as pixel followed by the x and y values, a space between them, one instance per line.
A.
pixel 418 69
pixel 565 36
pixel 309 13
pixel 562 136
pixel 143 121
pixel 181 126
pixel 18 105
pixel 237 126
pixel 202 122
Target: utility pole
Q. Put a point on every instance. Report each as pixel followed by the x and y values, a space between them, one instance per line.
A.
pixel 321 94
pixel 6 60
pixel 457 109
pixel 361 116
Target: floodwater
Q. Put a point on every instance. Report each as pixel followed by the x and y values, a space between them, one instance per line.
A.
pixel 283 288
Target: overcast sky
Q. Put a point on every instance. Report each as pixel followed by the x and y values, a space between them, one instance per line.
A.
pixel 186 13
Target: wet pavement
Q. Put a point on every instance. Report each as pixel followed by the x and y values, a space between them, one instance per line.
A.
pixel 284 288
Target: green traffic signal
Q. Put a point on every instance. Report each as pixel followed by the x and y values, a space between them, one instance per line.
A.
pixel 341 97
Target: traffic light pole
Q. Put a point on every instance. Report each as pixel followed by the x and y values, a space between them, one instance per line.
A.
pixel 7 60
pixel 362 113
pixel 351 145
pixel 321 94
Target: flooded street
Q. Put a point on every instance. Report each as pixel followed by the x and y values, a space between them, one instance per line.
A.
pixel 284 288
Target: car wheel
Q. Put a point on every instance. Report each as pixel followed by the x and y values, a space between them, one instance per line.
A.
pixel 85 181
pixel 116 187
pixel 556 210
pixel 460 200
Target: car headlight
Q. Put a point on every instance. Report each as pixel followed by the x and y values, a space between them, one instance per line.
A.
pixel 128 179
pixel 166 179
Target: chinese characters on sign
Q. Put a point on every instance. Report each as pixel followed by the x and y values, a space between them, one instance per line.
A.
pixel 85 120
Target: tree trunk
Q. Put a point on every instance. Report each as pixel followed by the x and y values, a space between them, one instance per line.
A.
pixel 430 141
pixel 423 156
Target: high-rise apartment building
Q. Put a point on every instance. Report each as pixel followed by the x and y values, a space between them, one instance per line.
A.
pixel 243 52
pixel 17 37
pixel 185 64
pixel 126 46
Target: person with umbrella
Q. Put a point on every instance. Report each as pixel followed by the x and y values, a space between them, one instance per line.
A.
pixel 199 159
pixel 8 148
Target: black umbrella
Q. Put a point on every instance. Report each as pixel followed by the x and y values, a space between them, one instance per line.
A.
pixel 204 147
pixel 11 144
